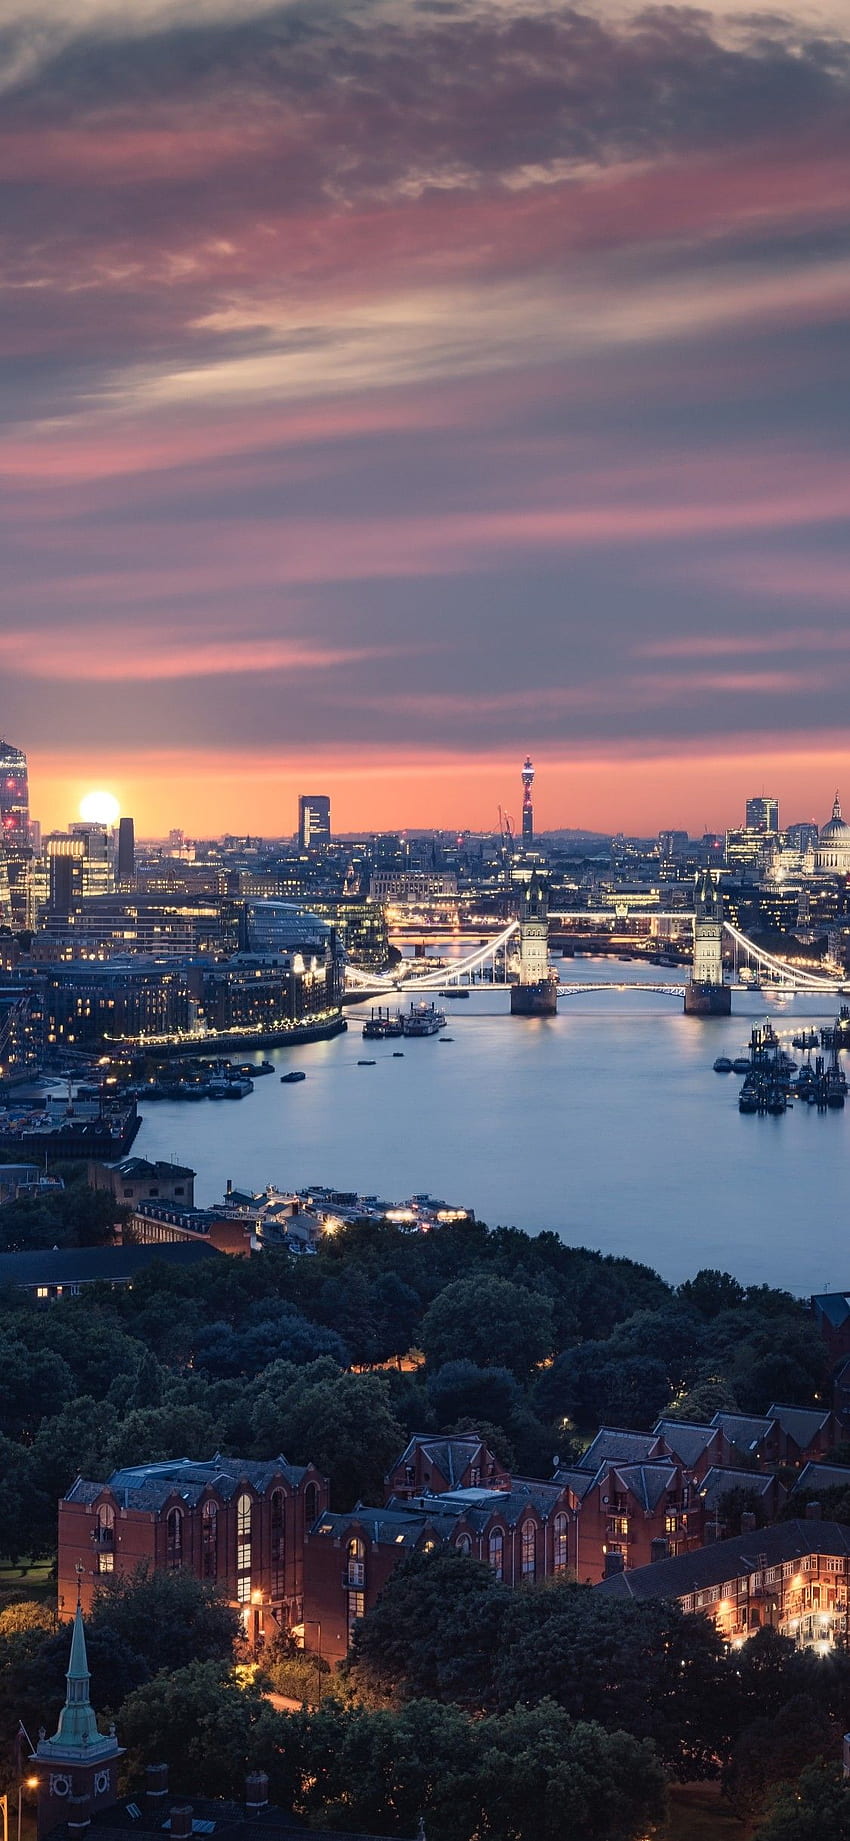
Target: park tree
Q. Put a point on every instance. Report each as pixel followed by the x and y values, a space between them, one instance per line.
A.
pixel 543 1776
pixel 431 1634
pixel 169 1619
pixel 815 1808
pixel 209 1728
pixel 344 1423
pixel 490 1321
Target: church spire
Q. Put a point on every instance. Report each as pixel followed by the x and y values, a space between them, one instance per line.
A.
pixel 836 805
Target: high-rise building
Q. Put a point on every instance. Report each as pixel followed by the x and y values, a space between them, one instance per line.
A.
pixel 314 820
pixel 527 803
pixel 14 831
pixel 97 860
pixel 64 855
pixel 126 859
pixel 763 814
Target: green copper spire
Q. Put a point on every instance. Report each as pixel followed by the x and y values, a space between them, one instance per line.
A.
pixel 76 1735
pixel 77 1729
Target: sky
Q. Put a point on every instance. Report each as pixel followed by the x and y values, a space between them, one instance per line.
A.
pixel 391 388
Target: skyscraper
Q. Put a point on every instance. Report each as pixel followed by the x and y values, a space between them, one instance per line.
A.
pixel 14 830
pixel 314 820
pixel 527 804
pixel 126 859
pixel 763 815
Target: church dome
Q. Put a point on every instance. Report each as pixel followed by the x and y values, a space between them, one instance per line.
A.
pixel 833 848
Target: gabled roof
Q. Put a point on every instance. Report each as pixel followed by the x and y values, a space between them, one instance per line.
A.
pixel 579 1481
pixel 834 1306
pixel 688 1440
pixel 802 1423
pixel 450 1456
pixel 718 1482
pixel 723 1561
pixel 646 1482
pixel 615 1446
pixel 745 1433
pixel 150 1486
pixel 821 1476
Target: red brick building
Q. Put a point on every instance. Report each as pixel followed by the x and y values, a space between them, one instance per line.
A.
pixel 525 1532
pixel 238 1524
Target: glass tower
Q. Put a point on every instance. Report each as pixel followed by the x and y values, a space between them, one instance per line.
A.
pixel 15 831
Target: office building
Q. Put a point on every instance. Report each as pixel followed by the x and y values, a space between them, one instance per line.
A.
pixel 314 820
pixel 14 834
pixel 125 862
pixel 763 815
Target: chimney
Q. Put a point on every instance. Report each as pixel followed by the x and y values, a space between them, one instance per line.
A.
pixel 181 1821
pixel 229 1188
pixel 748 1522
pixel 614 1563
pixel 814 1511
pixel 256 1792
pixel 156 1785
pixel 711 1533
pixel 658 1549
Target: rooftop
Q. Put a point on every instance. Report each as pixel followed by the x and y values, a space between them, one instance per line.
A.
pixel 723 1561
pixel 86 1265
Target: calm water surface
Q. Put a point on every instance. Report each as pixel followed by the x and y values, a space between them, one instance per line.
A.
pixel 606 1123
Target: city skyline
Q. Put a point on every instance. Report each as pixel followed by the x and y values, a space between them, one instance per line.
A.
pixel 393 390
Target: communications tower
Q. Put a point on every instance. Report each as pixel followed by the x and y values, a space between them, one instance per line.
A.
pixel 527 804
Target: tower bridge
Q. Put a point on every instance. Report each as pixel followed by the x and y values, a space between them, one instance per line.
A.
pixel 708 992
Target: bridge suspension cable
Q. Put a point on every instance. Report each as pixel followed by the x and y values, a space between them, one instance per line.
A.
pixel 455 973
pixel 790 974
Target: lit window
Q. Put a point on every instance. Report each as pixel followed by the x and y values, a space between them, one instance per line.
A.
pixel 496 1552
pixel 529 1550
pixel 561 1543
pixel 356 1562
pixel 244 1511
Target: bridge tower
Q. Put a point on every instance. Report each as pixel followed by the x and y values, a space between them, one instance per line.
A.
pixel 537 991
pixel 707 995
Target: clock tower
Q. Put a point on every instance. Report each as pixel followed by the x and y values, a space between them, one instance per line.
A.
pixel 77 1769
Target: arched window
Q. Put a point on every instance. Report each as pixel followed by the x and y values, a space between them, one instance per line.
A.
pixel 104 1537
pixel 561 1544
pixel 356 1561
pixel 463 1543
pixel 356 1579
pixel 209 1540
pixel 174 1538
pixel 529 1550
pixel 496 1552
pixel 311 1503
pixel 244 1514
pixel 278 1544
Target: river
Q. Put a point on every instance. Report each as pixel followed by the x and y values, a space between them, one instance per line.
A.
pixel 606 1123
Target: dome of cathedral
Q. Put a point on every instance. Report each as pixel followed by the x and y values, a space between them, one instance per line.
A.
pixel 833 847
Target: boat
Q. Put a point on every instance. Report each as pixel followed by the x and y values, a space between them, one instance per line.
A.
pixel 366 1064
pixel 723 1065
pixel 382 1023
pixel 423 1020
pixel 398 1054
pixel 747 1102
pixel 456 994
pixel 294 1074
pixel 447 1038
pixel 741 1064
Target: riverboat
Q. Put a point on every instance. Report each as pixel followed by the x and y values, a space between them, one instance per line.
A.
pixel 423 1020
